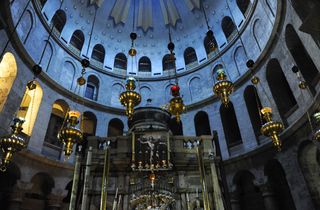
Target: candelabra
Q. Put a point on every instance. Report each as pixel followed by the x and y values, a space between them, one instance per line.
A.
pixel 223 87
pixel 130 98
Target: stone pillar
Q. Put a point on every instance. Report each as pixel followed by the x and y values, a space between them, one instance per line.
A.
pixel 235 200
pixel 76 173
pixel 268 197
pixel 15 200
pixel 86 187
pixel 217 195
pixel 183 201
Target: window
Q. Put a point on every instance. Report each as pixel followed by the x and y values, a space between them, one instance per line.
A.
pixel 59 20
pixel 98 53
pixel 168 62
pixel 8 74
pixel 77 40
pixel 190 56
pixel 243 6
pixel 120 61
pixel 144 64
pixel 92 88
pixel 228 27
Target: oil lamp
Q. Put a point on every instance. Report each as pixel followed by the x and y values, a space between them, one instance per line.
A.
pixel 223 87
pixel 70 135
pixel 176 105
pixel 271 128
pixel 12 143
pixel 130 98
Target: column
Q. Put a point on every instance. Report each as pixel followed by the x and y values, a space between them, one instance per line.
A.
pixel 86 186
pixel 217 195
pixel 235 200
pixel 74 190
pixel 268 197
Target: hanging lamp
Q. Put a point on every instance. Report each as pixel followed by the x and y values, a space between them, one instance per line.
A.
pixel 223 87
pixel 131 98
pixel 269 128
pixel 176 105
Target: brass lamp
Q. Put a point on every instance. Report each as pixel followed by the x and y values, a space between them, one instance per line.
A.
pixel 176 105
pixel 271 128
pixel 130 98
pixel 70 135
pixel 223 87
pixel 12 143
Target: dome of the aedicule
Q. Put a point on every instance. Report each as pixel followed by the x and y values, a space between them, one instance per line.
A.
pixel 159 104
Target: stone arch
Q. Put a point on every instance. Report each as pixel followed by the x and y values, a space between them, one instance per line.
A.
pixel 115 127
pixel 8 74
pixel 120 61
pixel 310 167
pixel 240 59
pixel 228 27
pixel 89 124
pixel 190 56
pixel 248 194
pixel 195 88
pixel 98 53
pixel 92 88
pixel 29 107
pixel 43 183
pixel 256 30
pixel 59 20
pixel 47 57
pixel 116 89
pixel 270 7
pixel 77 40
pixel 278 183
pixel 168 62
pixel 52 146
pixel 26 25
pixel 202 124
pixel 67 75
pixel 230 125
pixel 145 92
pixel 254 106
pixel 302 58
pixel 280 89
pixel 145 64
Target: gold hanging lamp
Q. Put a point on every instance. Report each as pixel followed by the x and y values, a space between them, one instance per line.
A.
pixel 269 128
pixel 130 98
pixel 12 143
pixel 223 87
pixel 176 105
pixel 70 134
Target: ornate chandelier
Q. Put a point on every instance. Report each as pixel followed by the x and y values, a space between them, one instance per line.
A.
pixel 223 87
pixel 71 135
pixel 12 143
pixel 130 98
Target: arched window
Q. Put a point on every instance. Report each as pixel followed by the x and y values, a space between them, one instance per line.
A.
pixel 98 53
pixel 168 62
pixel 144 64
pixel 303 60
pixel 228 27
pixel 202 124
pixel 59 20
pixel 176 127
pixel 77 40
pixel 280 89
pixel 278 182
pixel 120 61
pixel 29 108
pixel 210 45
pixel 253 106
pixel 89 124
pixel 52 146
pixel 243 6
pixel 92 88
pixel 307 156
pixel 230 125
pixel 42 185
pixel 8 74
pixel 115 128
pixel 190 56
pixel 249 194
